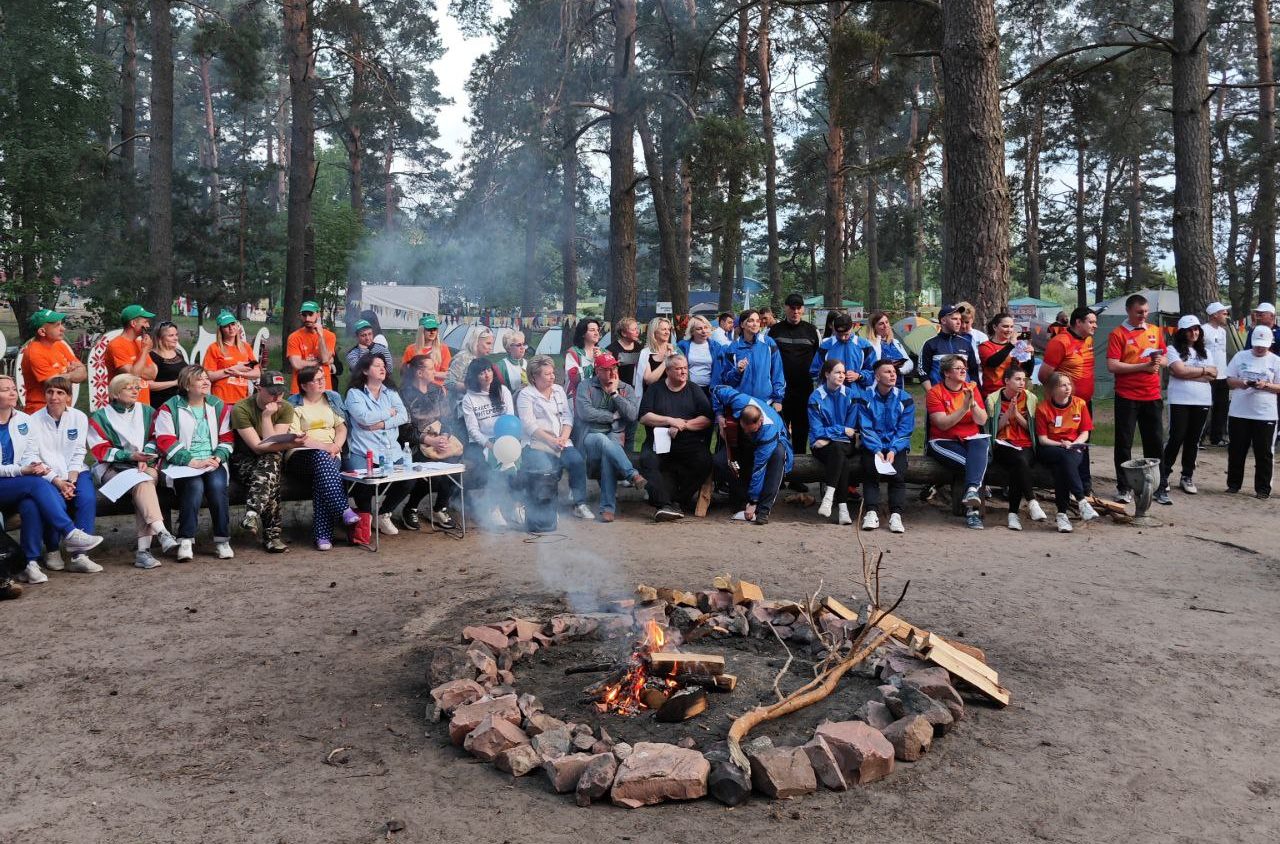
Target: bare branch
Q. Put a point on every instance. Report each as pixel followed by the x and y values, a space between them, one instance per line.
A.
pixel 1102 45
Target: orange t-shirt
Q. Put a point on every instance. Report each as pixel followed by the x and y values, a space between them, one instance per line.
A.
pixel 939 399
pixel 122 352
pixel 1073 357
pixel 1063 423
pixel 306 344
pixel 42 360
pixel 1010 431
pixel 1135 345
pixel 442 368
pixel 234 387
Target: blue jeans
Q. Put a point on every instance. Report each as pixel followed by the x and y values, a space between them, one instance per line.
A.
pixel 211 489
pixel 570 460
pixel 970 456
pixel 614 466
pixel 83 509
pixel 42 509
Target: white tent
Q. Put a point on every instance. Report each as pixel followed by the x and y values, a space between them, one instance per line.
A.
pixel 1160 302
pixel 399 306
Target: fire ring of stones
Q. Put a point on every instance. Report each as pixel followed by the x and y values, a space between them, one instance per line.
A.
pixel 919 699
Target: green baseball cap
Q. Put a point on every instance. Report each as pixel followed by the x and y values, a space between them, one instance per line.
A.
pixel 44 316
pixel 362 325
pixel 226 318
pixel 309 307
pixel 135 311
pixel 429 321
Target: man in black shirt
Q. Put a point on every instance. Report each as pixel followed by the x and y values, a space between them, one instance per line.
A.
pixel 797 340
pixel 683 412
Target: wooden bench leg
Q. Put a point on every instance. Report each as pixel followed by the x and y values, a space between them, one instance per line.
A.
pixel 704 496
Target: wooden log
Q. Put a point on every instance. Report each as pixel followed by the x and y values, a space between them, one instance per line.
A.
pixel 982 677
pixel 683 705
pixel 833 606
pixel 704 497
pixel 745 590
pixel 668 662
pixel 712 683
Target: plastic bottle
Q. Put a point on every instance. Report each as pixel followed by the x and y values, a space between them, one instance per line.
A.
pixel 368 462
pixel 408 457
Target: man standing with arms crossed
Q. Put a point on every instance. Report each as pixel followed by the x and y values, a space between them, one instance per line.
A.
pixel 1215 343
pixel 1135 354
pixel 797 340
pixel 311 345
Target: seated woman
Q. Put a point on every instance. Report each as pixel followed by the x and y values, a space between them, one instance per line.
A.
pixel 547 416
pixel 319 415
pixel 580 360
pixel 193 429
pixel 603 410
pixel 1011 413
pixel 58 435
pixel 833 422
pixel 120 440
pixel 886 418
pixel 22 489
pixel 1063 424
pixel 956 416
pixel 430 437
pixel 375 413
pixel 485 401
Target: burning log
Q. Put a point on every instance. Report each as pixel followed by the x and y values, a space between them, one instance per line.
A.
pixel 590 668
pixel 674 662
pixel 714 683
pixel 683 705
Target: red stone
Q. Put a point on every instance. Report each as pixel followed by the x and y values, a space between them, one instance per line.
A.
pixel 565 771
pixel 492 736
pixel 486 634
pixel 782 772
pixel 518 760
pixel 449 696
pixel 910 736
pixel 467 718
pixel 655 772
pixel 596 779
pixel 825 765
pixel 863 753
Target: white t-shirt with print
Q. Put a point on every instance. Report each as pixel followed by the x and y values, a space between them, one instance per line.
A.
pixel 1181 391
pixel 1250 403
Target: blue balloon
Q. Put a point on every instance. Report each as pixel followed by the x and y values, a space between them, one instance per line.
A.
pixel 508 426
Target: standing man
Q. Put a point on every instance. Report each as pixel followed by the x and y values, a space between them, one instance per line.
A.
pixel 948 341
pixel 676 475
pixel 797 340
pixel 130 353
pixel 311 345
pixel 46 356
pixel 256 463
pixel 768 318
pixel 724 329
pixel 1215 343
pixel 366 345
pixel 1059 325
pixel 1135 354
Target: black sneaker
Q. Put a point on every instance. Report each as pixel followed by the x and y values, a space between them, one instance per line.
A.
pixel 760 519
pixel 410 519
pixel 1162 497
pixel 668 514
pixel 1263 496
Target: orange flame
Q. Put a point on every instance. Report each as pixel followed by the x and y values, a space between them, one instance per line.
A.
pixel 624 697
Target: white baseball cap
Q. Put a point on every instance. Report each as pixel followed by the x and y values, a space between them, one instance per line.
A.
pixel 1215 308
pixel 1189 321
pixel 1261 336
pixel 1264 308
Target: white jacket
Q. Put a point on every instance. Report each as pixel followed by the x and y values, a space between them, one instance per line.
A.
pixel 20 433
pixel 60 445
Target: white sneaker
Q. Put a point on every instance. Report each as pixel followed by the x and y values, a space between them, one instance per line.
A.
pixel 32 573
pixel 53 561
pixel 496 519
pixel 77 542
pixel 1188 486
pixel 1064 524
pixel 81 564
pixel 870 521
pixel 167 542
pixel 583 512
pixel 845 518
pixel 1014 522
pixel 1035 511
pixel 223 550
pixel 185 551
pixel 1125 497
pixel 828 498
pixel 385 525
pixel 895 524
pixel 1087 512
pixel 144 559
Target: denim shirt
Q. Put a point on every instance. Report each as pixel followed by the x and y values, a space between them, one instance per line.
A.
pixel 363 409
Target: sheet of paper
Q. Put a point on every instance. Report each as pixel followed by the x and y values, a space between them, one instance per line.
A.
pixel 436 467
pixel 977 436
pixel 740 516
pixel 178 472
pixel 1008 444
pixel 884 467
pixel 122 483
pixel 661 440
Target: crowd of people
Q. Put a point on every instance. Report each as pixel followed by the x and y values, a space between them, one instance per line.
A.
pixel 724 409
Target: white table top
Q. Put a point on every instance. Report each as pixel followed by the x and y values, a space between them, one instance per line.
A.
pixel 419 470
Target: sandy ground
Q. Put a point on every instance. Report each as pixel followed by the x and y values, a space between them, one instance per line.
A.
pixel 199 702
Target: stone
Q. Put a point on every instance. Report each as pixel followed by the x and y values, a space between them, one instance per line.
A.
pixel 655 612
pixel 601 746
pixel 448 662
pixel 506 678
pixel 715 600
pixel 898 659
pixel 541 722
pixel 728 783
pixel 910 736
pixel 687 743
pixel 645 594
pixel 874 713
pixel 596 779
pixel 525 630
pixel 655 772
pixel 553 743
pixel 504 660
pixel 491 637
pixel 825 765
pixel 529 704
pixel 756 745
pixel 936 683
pixel 864 755
pixel 621 750
pixel 686 617
pixel 610 625
pixel 434 713
pixel 804 634
pixel 467 718
pixel 449 696
pixel 571 626
pixel 565 771
pixel 492 736
pixel 502 690
pixel 782 772
pixel 521 650
pixel 583 741
pixel 519 760
pixel 482 661
pixel 506 627
pixel 912 701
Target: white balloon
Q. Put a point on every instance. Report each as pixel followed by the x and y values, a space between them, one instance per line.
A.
pixel 506 450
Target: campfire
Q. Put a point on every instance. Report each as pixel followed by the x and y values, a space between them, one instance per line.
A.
pixel 658 678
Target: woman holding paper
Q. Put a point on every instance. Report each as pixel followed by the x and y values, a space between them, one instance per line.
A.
pixel 320 416
pixel 193 434
pixel 1003 354
pixel 1011 413
pixel 120 440
pixel 886 418
pixel 833 422
pixel 1062 429
pixel 956 416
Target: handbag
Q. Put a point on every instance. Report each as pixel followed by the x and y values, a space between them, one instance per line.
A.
pixel 361 531
pixel 452 449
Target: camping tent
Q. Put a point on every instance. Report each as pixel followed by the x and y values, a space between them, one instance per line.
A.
pixel 1025 309
pixel 1164 312
pixel 399 306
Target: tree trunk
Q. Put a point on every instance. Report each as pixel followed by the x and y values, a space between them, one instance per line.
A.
pixel 1137 251
pixel 530 297
pixel 1031 195
pixel 716 241
pixel 1266 206
pixel 771 157
pixel 1102 242
pixel 355 152
pixel 662 211
pixel 977 253
pixel 210 140
pixel 161 215
pixel 1228 186
pixel 389 190
pixel 129 91
pixel 569 217
pixel 1082 276
pixel 733 207
pixel 622 171
pixel 1193 160
pixel 833 240
pixel 283 120
pixel 871 243
pixel 302 136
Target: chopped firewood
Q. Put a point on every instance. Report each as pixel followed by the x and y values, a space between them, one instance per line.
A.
pixel 832 605
pixel 683 705
pixel 590 668
pixel 745 590
pixel 713 683
pixel 677 598
pixel 623 605
pixel 726 682
pixel 704 497
pixel 982 677
pixel 670 662
pixel 593 691
pixel 646 594
pixel 653 698
pixel 1110 506
pixel 722 582
pixel 896 627
pixel 975 652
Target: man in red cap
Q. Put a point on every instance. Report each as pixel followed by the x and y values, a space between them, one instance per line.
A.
pixel 604 408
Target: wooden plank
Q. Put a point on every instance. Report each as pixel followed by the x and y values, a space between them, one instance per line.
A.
pixel 933 640
pixel 833 606
pixel 666 661
pixel 975 652
pixel 897 628
pixel 704 498
pixel 963 666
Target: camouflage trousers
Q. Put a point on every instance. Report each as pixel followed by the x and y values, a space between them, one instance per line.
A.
pixel 260 475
